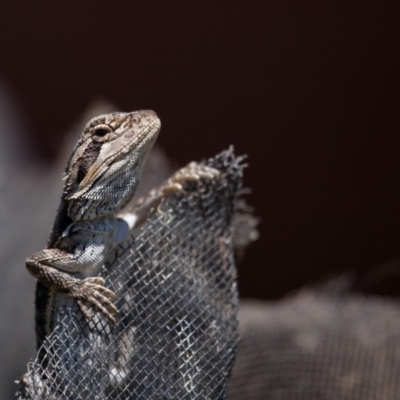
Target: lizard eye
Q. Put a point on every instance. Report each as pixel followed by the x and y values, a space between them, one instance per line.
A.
pixel 101 130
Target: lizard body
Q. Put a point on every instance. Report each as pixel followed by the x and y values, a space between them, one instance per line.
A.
pixel 102 175
pixel 101 178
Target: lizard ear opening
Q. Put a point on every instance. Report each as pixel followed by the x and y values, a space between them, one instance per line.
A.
pixel 81 175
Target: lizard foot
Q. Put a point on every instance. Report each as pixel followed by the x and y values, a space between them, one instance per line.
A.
pixel 92 291
pixel 191 173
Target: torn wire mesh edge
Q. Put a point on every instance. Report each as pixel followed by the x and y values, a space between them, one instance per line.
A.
pixel 175 282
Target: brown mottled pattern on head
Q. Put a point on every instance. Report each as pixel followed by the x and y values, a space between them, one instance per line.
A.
pixel 104 169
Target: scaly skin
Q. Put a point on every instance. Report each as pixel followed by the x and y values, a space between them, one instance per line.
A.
pixel 101 178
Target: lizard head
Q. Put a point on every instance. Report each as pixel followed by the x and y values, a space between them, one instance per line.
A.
pixel 104 169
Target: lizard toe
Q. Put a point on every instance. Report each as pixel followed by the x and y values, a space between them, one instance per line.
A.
pixel 85 310
pixel 98 280
pixel 106 308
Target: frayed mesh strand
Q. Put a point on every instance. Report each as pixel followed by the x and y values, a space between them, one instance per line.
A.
pixel 175 282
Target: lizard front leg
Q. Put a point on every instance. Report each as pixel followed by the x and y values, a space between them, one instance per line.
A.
pixel 48 267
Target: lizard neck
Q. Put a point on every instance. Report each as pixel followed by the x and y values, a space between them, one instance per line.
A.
pixel 87 208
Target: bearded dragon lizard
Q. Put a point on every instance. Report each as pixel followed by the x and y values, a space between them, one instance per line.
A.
pixel 102 175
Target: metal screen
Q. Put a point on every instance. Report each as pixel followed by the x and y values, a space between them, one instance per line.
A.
pixel 177 331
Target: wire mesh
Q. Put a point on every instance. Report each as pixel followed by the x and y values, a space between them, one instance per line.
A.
pixel 175 282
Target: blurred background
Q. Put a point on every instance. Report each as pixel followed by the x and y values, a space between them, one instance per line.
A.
pixel 309 90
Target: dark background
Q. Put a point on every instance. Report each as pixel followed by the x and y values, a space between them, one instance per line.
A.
pixel 308 89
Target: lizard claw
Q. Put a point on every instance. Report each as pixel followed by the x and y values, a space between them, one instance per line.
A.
pixel 92 290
